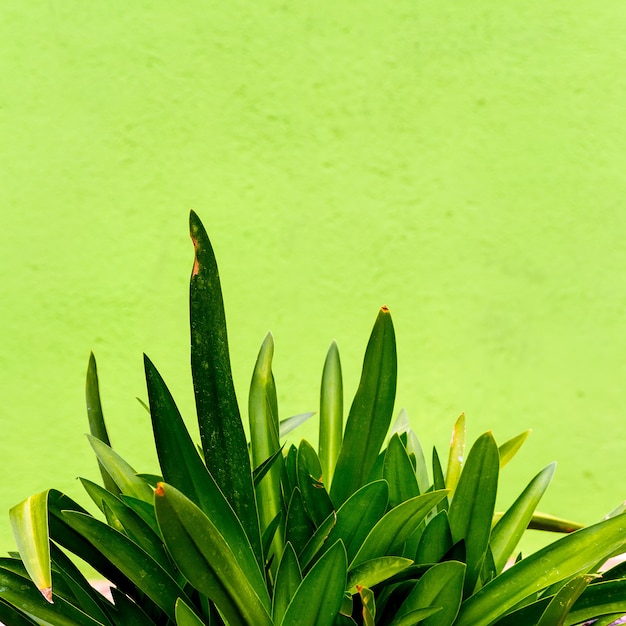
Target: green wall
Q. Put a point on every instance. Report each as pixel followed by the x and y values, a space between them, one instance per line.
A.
pixel 461 162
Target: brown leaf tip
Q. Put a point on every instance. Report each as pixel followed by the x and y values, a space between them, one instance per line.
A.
pixel 384 308
pixel 160 490
pixel 47 594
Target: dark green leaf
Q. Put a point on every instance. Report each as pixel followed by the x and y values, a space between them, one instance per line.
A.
pixel 221 431
pixel 370 413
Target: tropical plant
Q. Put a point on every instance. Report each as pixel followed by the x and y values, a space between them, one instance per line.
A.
pixel 361 531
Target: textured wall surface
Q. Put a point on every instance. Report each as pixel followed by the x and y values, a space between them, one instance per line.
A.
pixel 463 163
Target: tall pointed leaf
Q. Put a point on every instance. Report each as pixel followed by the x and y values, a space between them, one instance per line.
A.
pixel 370 413
pixel 97 426
pixel 509 448
pixel 399 473
pixel 471 509
pixel 562 603
pixel 511 526
pixel 221 431
pixel 331 414
pixel 456 454
pixel 264 440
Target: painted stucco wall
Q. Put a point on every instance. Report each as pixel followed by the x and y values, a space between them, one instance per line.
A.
pixel 461 162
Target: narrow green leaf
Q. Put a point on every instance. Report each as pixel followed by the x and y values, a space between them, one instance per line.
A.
pixel 599 599
pixel 11 615
pixel 571 555
pixel 208 562
pixel 368 602
pixel 309 475
pixel 259 472
pixel 318 543
pixel 471 510
pixel 22 594
pixel 97 425
pixel 185 615
pixel 550 523
pixel 358 515
pixel 399 473
pixel 511 526
pixel 264 439
pixel 269 534
pixel 289 424
pixel 417 616
pixel 439 482
pixel 370 413
pixel 456 454
pixel 318 599
pixel 562 603
pixel 375 571
pixel 129 612
pixel 121 472
pixel 389 534
pixel 132 525
pixel 331 414
pixel 441 586
pixel 288 579
pixel 436 540
pixel 299 527
pixel 421 470
pixel 509 448
pixel 221 430
pixel 29 521
pixel 134 562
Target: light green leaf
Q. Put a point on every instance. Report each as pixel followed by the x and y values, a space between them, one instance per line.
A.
pixel 289 424
pixel 331 414
pixel 571 555
pixel 456 454
pixel 368 602
pixel 185 615
pixel 264 440
pixel 318 599
pixel 509 448
pixel 370 412
pixel 29 521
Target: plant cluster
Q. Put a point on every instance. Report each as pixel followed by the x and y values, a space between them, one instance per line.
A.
pixel 361 531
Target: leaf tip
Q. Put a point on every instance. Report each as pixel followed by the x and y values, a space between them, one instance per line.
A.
pixel 46 592
pixel 160 489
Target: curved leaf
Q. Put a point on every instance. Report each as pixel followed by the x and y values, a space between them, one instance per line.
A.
pixel 29 521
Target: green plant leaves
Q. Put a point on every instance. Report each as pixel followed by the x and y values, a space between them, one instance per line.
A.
pixel 221 431
pixel 471 510
pixel 207 560
pixel 317 600
pixel 569 556
pixel 370 412
pixel 29 521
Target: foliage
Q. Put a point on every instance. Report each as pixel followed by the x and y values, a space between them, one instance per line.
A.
pixel 242 533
